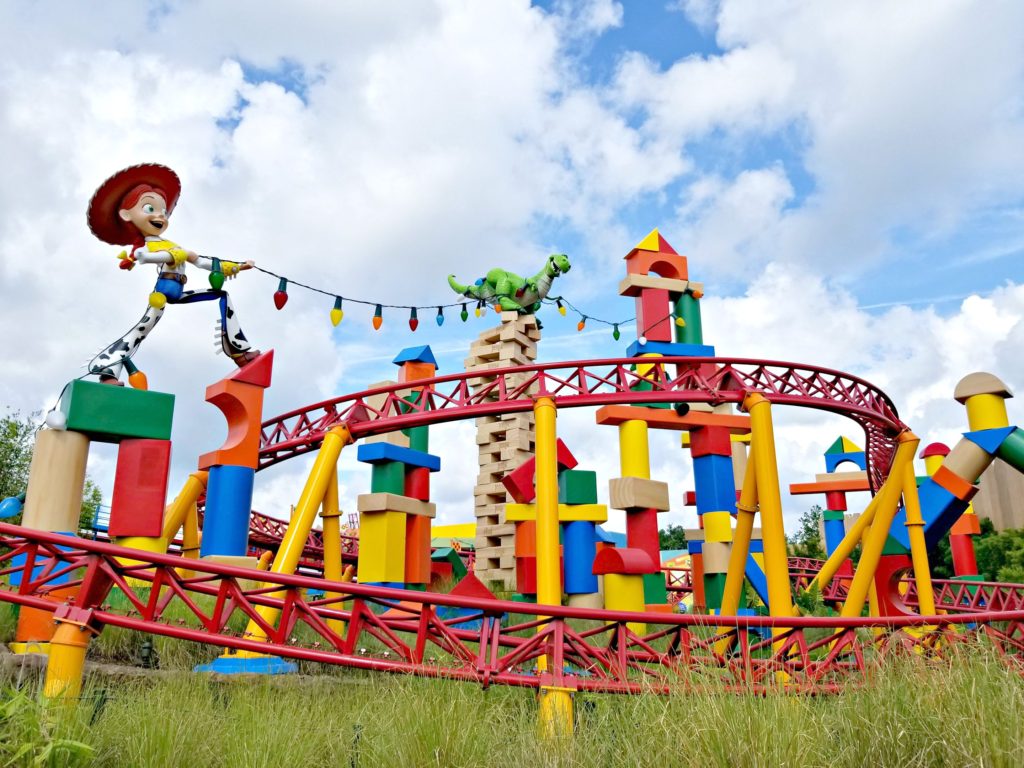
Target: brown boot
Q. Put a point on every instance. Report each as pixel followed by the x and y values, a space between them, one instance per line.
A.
pixel 242 359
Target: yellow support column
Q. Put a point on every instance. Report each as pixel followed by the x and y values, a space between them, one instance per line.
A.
pixel 177 513
pixel 66 664
pixel 634 453
pixel 874 540
pixel 853 537
pixel 773 533
pixel 555 709
pixel 324 468
pixel 330 513
pixel 745 509
pixel 918 548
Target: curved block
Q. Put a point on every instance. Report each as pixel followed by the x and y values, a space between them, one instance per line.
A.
pixel 624 560
pixel 242 406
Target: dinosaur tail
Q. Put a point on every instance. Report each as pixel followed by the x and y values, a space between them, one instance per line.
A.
pixel 464 290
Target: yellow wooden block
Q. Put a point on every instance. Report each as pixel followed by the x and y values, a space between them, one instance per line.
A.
pixel 717 526
pixel 381 546
pixel 638 493
pixel 625 592
pixel 634 453
pixel 392 502
pixel 567 513
pixel 649 243
pixel 56 478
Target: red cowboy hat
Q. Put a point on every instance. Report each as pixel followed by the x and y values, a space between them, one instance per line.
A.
pixel 106 201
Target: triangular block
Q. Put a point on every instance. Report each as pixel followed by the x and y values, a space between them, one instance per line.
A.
pixel 651 243
pixel 471 586
pixel 663 245
pixel 989 440
pixel 256 372
pixel 851 447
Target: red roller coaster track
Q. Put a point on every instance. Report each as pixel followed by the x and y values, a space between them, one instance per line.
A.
pixel 498 642
pixel 592 383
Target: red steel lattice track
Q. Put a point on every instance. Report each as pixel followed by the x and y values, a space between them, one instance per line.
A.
pixel 473 394
pixel 816 653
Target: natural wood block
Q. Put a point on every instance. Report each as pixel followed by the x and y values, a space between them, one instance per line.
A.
pixel 391 438
pixel 392 502
pixel 638 493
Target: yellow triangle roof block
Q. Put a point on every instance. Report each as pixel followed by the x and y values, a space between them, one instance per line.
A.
pixel 650 243
pixel 851 447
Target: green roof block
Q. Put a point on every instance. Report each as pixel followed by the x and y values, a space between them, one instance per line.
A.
pixel 109 414
pixel 577 486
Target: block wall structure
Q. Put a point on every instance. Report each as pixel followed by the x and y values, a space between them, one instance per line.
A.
pixel 504 443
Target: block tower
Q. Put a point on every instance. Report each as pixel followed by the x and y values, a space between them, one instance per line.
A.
pixel 394 518
pixel 139 423
pixel 232 467
pixel 505 442
pixel 578 515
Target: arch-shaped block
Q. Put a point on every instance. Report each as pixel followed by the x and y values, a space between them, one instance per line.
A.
pixel 240 399
pixel 624 560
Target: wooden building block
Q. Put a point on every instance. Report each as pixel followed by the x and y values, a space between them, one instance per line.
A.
pixel 397 437
pixel 387 477
pixel 53 500
pixel 381 547
pixel 638 493
pixel 242 406
pixel 967 460
pixel 393 502
pixel 633 285
pixel 417 550
pixel 140 488
pixel 952 482
pixel 660 418
pixel 716 556
pixel 577 486
pixel 108 414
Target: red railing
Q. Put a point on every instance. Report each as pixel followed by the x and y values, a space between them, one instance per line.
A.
pixel 487 641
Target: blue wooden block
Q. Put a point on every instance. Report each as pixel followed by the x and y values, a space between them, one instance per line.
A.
pixel 835 530
pixel 694 547
pixel 757 578
pixel 373 453
pixel 756 545
pixel 989 440
pixel 716 490
pixel 416 355
pixel 579 543
pixel 833 460
pixel 939 509
pixel 669 349
pixel 228 503
pixel 18 561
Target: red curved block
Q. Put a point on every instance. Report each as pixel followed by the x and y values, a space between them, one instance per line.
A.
pixel 623 560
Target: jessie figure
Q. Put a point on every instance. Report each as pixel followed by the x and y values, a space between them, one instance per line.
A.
pixel 132 208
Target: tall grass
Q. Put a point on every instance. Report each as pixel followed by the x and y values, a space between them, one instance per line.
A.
pixel 965 711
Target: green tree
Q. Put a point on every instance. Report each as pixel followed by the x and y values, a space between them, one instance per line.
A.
pixel 807 540
pixel 673 537
pixel 17 439
pixel 1000 556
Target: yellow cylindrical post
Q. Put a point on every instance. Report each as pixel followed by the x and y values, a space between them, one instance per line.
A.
pixel 330 513
pixel 66 661
pixel 634 452
pixel 986 412
pixel 918 548
pixel 177 512
pixel 773 533
pixel 294 540
pixel 874 540
pixel 555 708
pixel 549 584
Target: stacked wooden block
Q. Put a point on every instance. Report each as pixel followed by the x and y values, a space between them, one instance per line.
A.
pixel 505 442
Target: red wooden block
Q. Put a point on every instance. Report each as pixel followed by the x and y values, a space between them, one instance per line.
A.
pixel 962 549
pixel 140 488
pixel 667 263
pixel 642 532
pixel 836 501
pixel 519 482
pixel 440 571
pixel 654 315
pixel 626 560
pixel 890 570
pixel 966 525
pixel 417 549
pixel 710 441
pixel 417 483
pixel 470 586
pixel 526 575
pixel 256 372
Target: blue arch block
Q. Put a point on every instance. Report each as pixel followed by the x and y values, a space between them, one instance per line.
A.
pixel 833 460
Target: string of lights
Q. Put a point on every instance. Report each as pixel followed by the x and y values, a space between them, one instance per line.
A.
pixel 337 312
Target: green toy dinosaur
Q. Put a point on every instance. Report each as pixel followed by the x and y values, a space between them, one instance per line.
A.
pixel 512 292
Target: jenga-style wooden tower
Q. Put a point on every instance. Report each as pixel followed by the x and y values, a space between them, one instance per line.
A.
pixel 504 442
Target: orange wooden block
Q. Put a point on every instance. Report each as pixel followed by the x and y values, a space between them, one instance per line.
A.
pixel 665 418
pixel 697 578
pixel 526 538
pixel 415 371
pixel 966 525
pixel 242 406
pixel 955 484
pixel 846 486
pixel 417 549
pixel 670 265
pixel 659 608
pixel 36 625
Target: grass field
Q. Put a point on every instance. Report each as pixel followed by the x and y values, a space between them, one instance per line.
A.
pixel 968 710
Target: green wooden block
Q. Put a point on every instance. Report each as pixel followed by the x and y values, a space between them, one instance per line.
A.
pixel 109 414
pixel 714 589
pixel 833 514
pixel 520 598
pixel 419 438
pixel 449 555
pixel 577 486
pixel 388 477
pixel 655 592
pixel 893 547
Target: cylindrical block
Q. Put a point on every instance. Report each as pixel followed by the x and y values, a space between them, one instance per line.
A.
pixel 836 501
pixel 968 460
pixel 835 530
pixel 634 453
pixel 579 542
pixel 228 503
pixel 962 549
pixel 986 412
pixel 688 308
pixel 53 500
